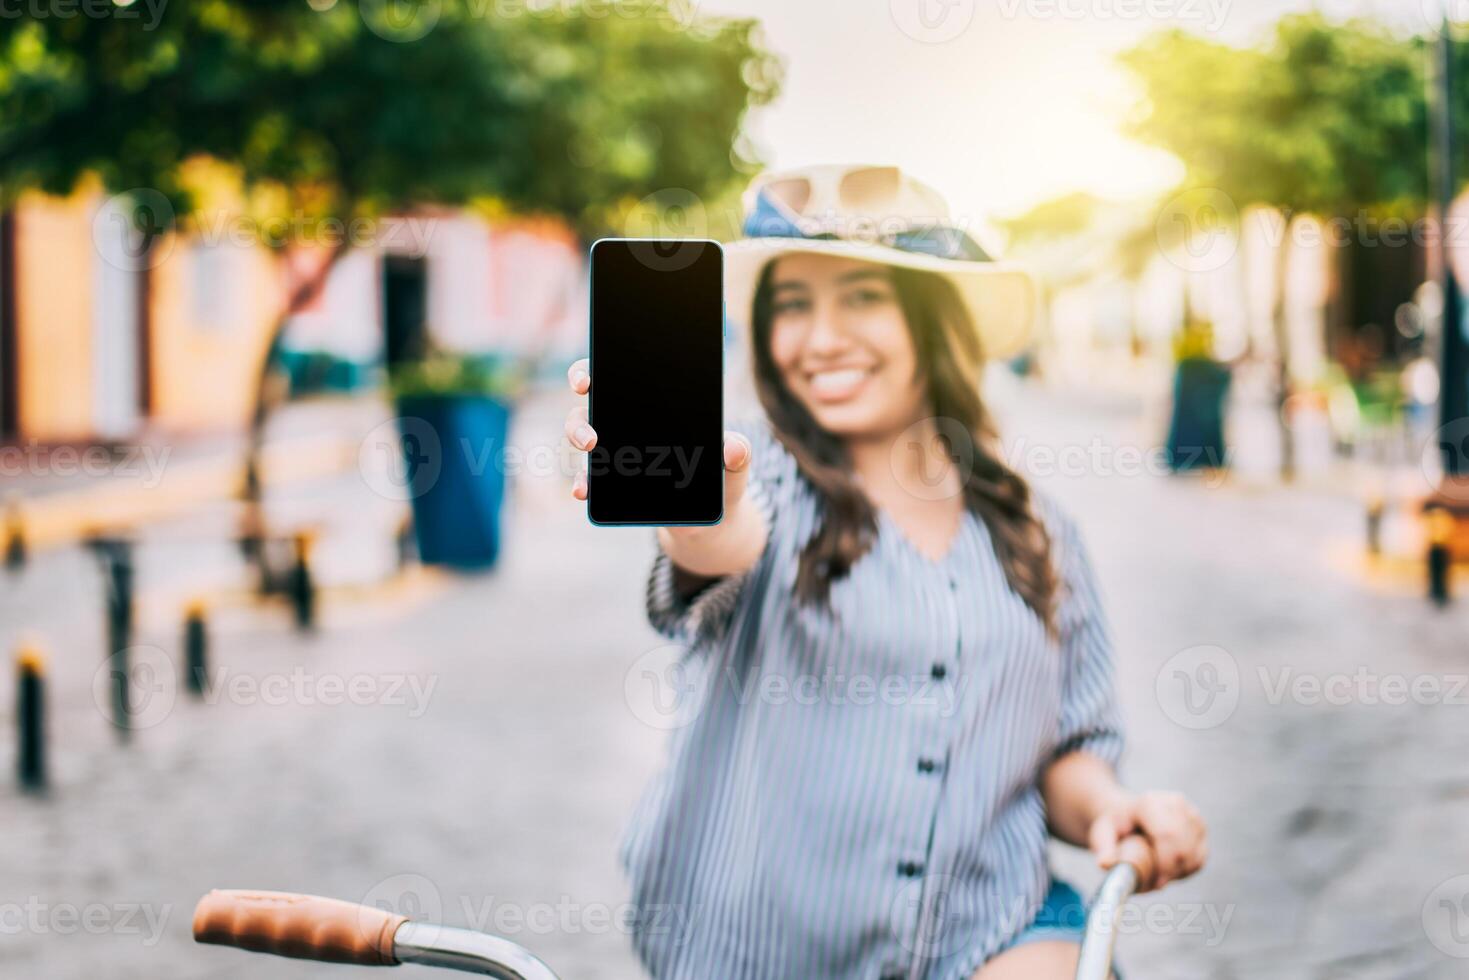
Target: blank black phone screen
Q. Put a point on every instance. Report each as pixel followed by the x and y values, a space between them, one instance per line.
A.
pixel 657 399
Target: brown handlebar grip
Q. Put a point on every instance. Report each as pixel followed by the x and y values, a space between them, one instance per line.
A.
pixel 1136 851
pixel 300 926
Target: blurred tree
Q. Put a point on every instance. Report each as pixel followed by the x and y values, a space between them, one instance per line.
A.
pixel 332 110
pixel 1328 118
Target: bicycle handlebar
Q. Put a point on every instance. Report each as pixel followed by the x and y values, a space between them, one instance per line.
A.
pixel 300 926
pixel 1134 870
pixel 307 927
pixel 311 928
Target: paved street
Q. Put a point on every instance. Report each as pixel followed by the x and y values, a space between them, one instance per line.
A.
pixel 483 760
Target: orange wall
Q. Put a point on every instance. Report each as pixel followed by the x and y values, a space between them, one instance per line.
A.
pixel 53 272
pixel 204 375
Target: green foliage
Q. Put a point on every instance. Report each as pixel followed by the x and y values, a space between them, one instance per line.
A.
pixel 1327 117
pixel 345 111
pixel 1059 217
pixel 444 374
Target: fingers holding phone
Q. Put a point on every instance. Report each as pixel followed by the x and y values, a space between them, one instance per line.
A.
pixel 579 432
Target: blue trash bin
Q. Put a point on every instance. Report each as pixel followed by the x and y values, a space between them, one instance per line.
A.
pixel 453 448
pixel 1196 432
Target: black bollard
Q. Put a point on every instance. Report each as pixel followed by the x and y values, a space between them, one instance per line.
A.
pixel 196 650
pixel 407 544
pixel 1374 526
pixel 303 589
pixel 15 536
pixel 31 713
pixel 1441 528
pixel 116 556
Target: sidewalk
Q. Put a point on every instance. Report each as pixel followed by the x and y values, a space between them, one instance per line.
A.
pixel 65 491
pixel 490 786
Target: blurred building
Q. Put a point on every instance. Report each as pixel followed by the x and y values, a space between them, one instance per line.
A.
pixel 99 341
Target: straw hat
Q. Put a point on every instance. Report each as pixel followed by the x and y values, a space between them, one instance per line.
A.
pixel 876 214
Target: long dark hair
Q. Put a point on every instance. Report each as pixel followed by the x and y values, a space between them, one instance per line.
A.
pixel 949 358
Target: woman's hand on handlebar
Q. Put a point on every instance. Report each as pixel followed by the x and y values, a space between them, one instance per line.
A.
pixel 1169 825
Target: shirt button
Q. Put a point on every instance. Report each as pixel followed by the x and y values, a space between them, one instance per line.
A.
pixel 910 869
pixel 939 672
pixel 926 765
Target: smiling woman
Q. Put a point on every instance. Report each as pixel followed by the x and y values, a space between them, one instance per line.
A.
pixel 872 531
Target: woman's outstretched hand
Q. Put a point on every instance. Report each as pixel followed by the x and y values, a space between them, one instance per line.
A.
pixel 583 437
pixel 1169 823
pixel 723 549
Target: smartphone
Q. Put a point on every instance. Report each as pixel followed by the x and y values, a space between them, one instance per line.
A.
pixel 657 396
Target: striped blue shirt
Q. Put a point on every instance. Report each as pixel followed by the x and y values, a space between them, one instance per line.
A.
pixel 853 792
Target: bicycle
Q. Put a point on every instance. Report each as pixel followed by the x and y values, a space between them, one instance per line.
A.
pixel 330 930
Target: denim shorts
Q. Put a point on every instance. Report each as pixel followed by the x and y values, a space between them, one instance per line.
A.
pixel 1061 918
